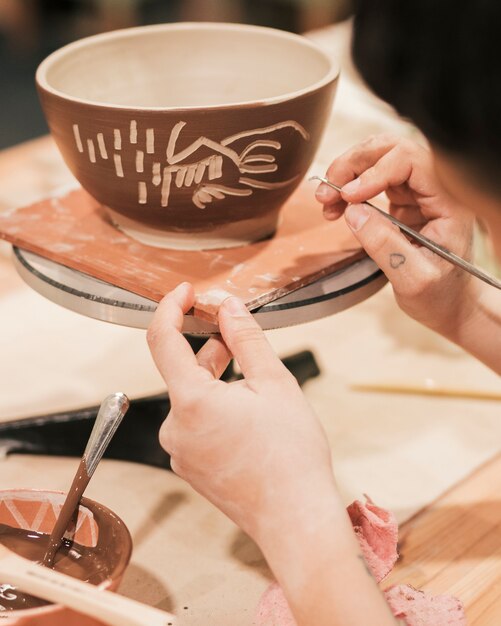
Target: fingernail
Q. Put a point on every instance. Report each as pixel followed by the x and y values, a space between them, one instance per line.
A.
pixel 356 215
pixel 324 192
pixel 181 287
pixel 352 186
pixel 235 306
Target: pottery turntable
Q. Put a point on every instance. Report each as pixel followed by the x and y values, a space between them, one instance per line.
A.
pixel 92 297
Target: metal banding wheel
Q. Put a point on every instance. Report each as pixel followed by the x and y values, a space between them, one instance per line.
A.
pixel 95 298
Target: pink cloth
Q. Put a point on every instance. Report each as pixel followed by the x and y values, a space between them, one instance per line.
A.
pixel 273 609
pixel 377 532
pixel 419 608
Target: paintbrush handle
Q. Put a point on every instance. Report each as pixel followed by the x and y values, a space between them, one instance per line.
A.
pixel 427 243
pixel 106 606
pixel 423 390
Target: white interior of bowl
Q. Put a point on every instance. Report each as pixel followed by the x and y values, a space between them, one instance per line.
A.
pixel 186 66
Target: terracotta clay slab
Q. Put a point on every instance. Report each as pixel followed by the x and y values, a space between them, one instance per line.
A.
pixel 73 230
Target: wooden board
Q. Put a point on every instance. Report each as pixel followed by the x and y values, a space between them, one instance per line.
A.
pixel 454 546
pixel 74 230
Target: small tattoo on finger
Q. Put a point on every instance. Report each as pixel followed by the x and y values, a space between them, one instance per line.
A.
pixel 396 260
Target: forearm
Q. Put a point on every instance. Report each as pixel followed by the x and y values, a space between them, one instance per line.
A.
pixel 318 563
pixel 480 332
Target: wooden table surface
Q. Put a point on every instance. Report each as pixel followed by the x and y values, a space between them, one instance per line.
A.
pixel 454 546
pixel 404 451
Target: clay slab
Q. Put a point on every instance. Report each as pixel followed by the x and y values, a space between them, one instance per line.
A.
pixel 74 230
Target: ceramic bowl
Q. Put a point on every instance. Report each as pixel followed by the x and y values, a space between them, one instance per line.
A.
pixel 192 135
pixel 37 510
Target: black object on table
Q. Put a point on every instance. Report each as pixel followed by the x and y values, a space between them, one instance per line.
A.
pixel 66 433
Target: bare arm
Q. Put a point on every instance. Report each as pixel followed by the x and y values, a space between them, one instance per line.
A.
pixel 319 565
pixel 257 451
pixel 480 333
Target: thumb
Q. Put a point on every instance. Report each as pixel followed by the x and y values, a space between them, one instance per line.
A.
pixel 247 342
pixel 403 263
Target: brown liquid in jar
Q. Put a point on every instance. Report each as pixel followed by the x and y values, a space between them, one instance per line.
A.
pixel 91 564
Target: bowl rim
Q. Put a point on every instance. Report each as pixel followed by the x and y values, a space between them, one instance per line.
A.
pixel 41 73
pixel 13 616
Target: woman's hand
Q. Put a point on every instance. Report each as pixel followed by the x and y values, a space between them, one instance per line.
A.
pixel 427 287
pixel 253 447
pixel 257 451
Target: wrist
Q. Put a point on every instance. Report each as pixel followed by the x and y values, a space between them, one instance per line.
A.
pixel 301 521
pixel 467 310
pixel 479 334
pixel 457 314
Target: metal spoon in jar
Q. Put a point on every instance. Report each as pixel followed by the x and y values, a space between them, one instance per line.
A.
pixel 427 243
pixel 111 413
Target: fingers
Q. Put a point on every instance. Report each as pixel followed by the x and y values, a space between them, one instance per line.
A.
pixel 214 356
pixel 349 166
pixel 248 344
pixel 171 352
pixel 391 170
pixel 404 264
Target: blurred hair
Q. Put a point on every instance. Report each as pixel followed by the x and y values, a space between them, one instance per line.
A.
pixel 438 62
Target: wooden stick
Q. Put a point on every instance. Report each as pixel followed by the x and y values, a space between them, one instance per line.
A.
pixel 83 597
pixel 425 390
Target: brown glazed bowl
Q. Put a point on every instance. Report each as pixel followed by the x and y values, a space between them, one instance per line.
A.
pixel 193 135
pixel 37 510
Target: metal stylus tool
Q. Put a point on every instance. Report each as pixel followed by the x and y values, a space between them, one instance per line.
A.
pixel 427 243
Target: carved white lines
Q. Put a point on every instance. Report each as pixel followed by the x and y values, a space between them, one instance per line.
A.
pixel 102 146
pixel 166 183
pixel 139 161
pixel 78 139
pixel 118 165
pixel 180 176
pixel 261 184
pixel 207 193
pixel 183 170
pixel 268 129
pixel 91 150
pixel 157 177
pixel 117 139
pixel 133 131
pixel 263 158
pixel 258 169
pixel 142 192
pixel 215 167
pixel 260 143
pixel 150 141
pixel 173 158
pixel 189 175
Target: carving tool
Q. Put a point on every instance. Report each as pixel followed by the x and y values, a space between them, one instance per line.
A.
pixel 427 243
